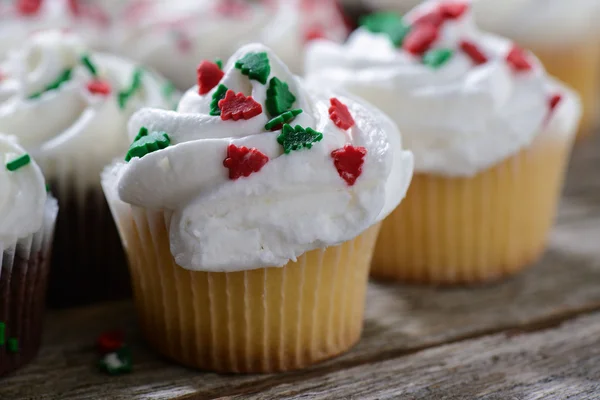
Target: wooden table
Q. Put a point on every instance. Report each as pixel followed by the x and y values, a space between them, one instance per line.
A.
pixel 536 336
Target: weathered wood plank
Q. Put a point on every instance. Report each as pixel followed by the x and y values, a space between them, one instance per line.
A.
pixel 557 363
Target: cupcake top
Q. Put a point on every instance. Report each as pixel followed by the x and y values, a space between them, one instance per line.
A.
pixel 549 22
pixel 60 99
pixel 463 99
pixel 21 18
pixel 22 192
pixel 172 36
pixel 258 168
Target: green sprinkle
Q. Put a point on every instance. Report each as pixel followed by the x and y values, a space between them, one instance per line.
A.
pixel 18 162
pixel 136 83
pixel 2 333
pixel 85 60
pixel 284 118
pixel 216 97
pixel 279 97
pixel 47 188
pixel 297 138
pixel 13 345
pixel 146 143
pixel 437 57
pixel 64 77
pixel 116 363
pixel 256 66
pixel 387 23
pixel 219 63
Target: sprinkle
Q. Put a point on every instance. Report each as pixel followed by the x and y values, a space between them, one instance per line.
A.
pixel 314 33
pixel 349 161
pixel 109 342
pixel 554 100
pixel 85 60
pixel 18 162
pixel 420 39
pixel 437 57
pixel 242 161
pixel 297 138
pixel 209 75
pixel 219 63
pixel 217 96
pixel 256 66
pixel 117 363
pixel 47 188
pixel 517 59
pixel 63 77
pixel 453 10
pixel 277 123
pixel 237 106
pixel 99 87
pixel 340 115
pixel 29 7
pixel 2 333
pixel 279 97
pixel 471 49
pixel 389 24
pixel 435 18
pixel 136 83
pixel 146 143
pixel 13 345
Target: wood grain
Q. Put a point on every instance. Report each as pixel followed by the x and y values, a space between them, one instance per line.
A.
pixel 402 323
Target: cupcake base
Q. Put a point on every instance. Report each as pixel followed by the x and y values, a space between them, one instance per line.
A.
pixel 479 229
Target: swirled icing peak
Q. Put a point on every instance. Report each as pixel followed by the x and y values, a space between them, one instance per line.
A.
pixel 463 99
pixel 22 192
pixel 259 168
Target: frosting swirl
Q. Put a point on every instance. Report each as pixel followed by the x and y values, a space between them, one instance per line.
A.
pixel 464 100
pixel 22 192
pixel 247 193
pixel 59 100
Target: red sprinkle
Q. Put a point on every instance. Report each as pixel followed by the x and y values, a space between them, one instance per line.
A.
pixel 340 115
pixel 517 59
pixel 554 101
pixel 242 161
pixel 453 10
pixel 435 18
pixel 29 7
pixel 314 33
pixel 420 38
pixel 237 106
pixel 99 87
pixel 349 161
pixel 110 341
pixel 471 49
pixel 209 76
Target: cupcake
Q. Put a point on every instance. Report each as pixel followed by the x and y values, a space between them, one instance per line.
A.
pixel 400 6
pixel 490 131
pixel 250 214
pixel 69 108
pixel 27 220
pixel 21 18
pixel 172 36
pixel 564 35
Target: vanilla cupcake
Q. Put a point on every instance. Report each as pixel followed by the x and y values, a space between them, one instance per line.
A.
pixel 490 131
pixel 27 218
pixel 564 35
pixel 69 108
pixel 172 36
pixel 250 214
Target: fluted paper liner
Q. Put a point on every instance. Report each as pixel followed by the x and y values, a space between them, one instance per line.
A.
pixel 470 230
pixel 88 260
pixel 23 277
pixel 263 320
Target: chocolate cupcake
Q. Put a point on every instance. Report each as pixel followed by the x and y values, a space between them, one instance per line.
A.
pixel 27 221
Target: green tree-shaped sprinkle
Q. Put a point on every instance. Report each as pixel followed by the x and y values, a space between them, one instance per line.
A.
pixel 217 96
pixel 62 78
pixel 279 97
pixel 437 57
pixel 286 117
pixel 145 143
pixel 387 23
pixel 297 138
pixel 256 66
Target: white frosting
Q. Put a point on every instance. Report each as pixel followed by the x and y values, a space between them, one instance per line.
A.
pixel 458 119
pixel 401 6
pixel 173 36
pixel 297 202
pixel 22 194
pixel 533 22
pixel 88 21
pixel 70 120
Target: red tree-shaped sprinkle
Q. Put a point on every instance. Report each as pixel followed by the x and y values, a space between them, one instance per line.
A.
pixel 420 38
pixel 209 76
pixel 340 115
pixel 434 17
pixel 453 10
pixel 99 87
pixel 349 161
pixel 554 100
pixel 111 341
pixel 471 49
pixel 29 7
pixel 242 161
pixel 237 106
pixel 517 59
